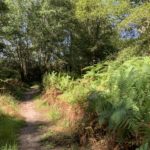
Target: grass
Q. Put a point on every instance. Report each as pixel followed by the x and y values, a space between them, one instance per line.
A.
pixel 9 127
pixel 40 104
pixel 9 147
pixel 54 113
pixel 65 123
pixel 10 123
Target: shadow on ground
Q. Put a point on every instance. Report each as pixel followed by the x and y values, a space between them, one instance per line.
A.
pixel 39 135
pixel 30 94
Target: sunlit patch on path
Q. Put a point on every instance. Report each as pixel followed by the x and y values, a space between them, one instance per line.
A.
pixel 30 135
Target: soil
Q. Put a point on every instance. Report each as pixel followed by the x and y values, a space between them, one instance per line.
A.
pixel 30 134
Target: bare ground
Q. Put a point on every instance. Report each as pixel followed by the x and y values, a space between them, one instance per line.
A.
pixel 31 133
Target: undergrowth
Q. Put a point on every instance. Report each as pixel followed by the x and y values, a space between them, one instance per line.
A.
pixel 13 87
pixel 123 102
pixel 72 91
pixel 118 92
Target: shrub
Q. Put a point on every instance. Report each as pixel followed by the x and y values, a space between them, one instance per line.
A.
pixel 124 103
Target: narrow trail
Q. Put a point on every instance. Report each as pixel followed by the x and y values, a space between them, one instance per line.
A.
pixel 30 134
pixel 37 124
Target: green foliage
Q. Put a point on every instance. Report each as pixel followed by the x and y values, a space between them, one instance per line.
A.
pixel 138 18
pixel 58 33
pixel 9 127
pixel 73 91
pixel 87 9
pixel 9 123
pixel 138 15
pixel 9 147
pixel 3 6
pixel 6 73
pixel 68 35
pixel 118 91
pixel 144 147
pixel 8 100
pixel 76 94
pixel 124 101
pixel 54 113
pixel 58 81
pixel 12 87
pixel 128 53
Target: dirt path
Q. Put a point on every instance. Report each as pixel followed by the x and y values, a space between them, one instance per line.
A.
pixel 37 124
pixel 30 135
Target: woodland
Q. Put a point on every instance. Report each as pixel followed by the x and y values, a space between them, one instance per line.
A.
pixel 75 74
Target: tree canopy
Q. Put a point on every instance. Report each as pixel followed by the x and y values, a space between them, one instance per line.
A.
pixel 47 35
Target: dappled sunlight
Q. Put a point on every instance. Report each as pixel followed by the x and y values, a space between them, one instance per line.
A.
pixel 74 75
pixel 31 134
pixel 59 139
